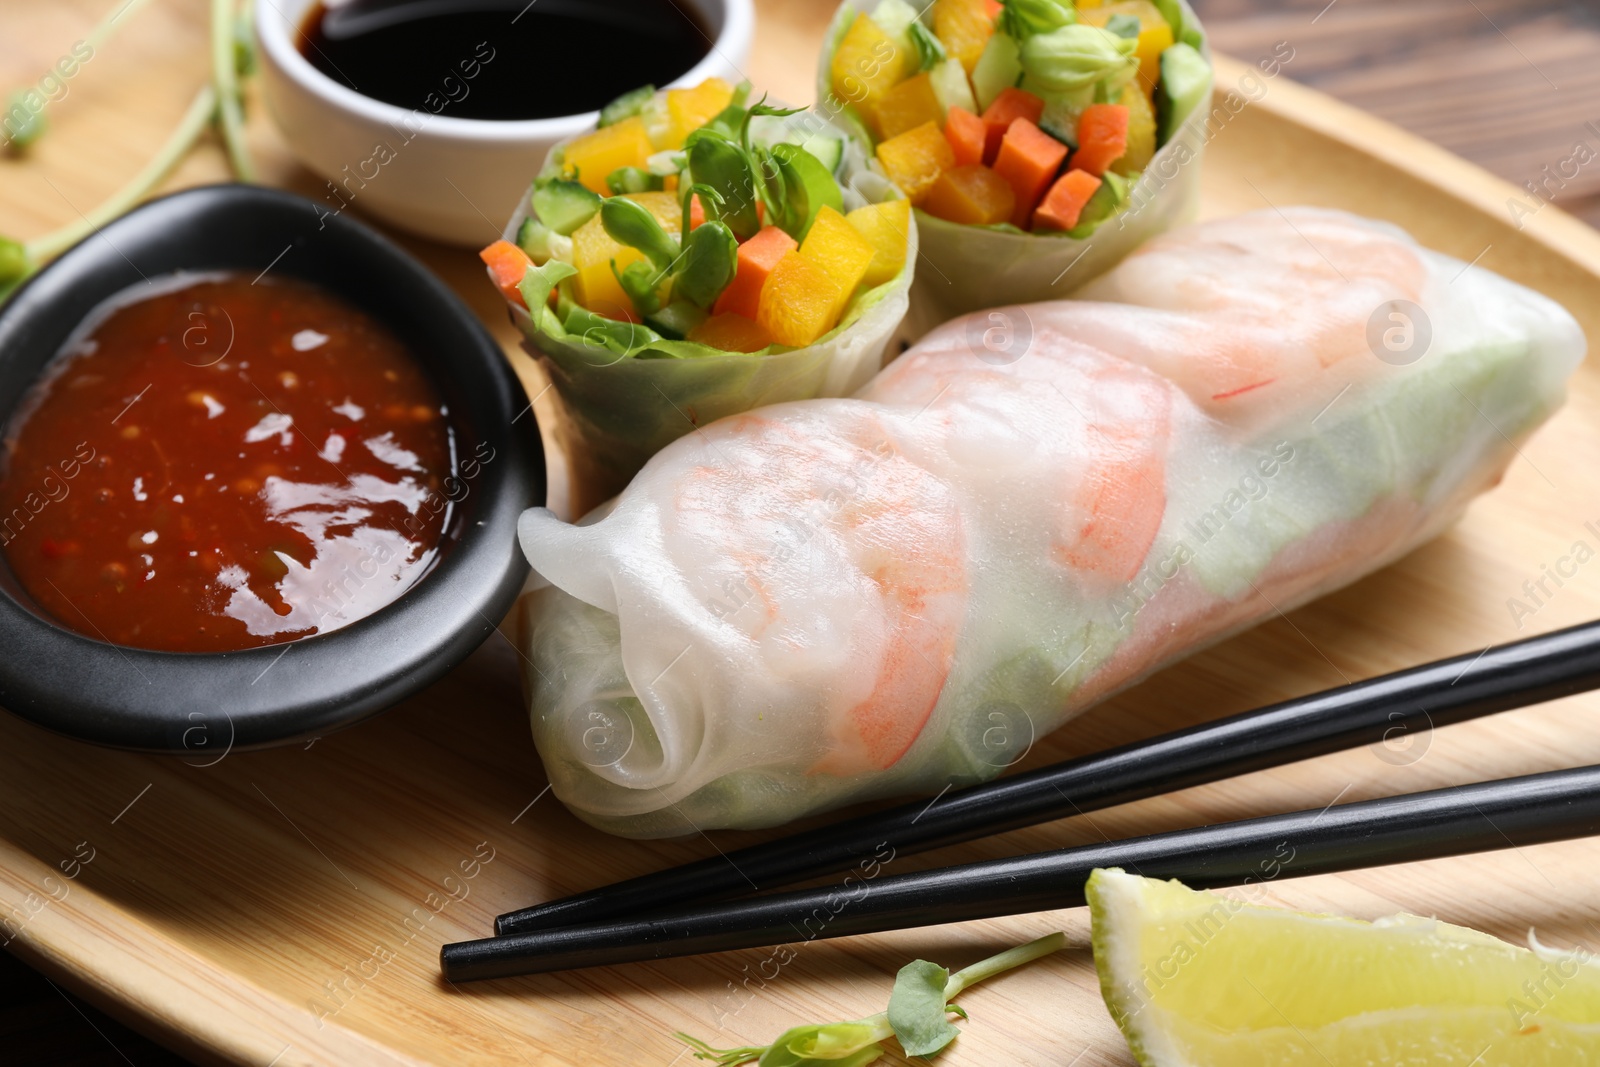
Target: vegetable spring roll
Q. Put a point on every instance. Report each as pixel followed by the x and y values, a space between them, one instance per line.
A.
pixel 834 600
pixel 1040 140
pixel 698 255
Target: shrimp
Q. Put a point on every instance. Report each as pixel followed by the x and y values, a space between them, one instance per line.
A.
pixel 1243 313
pixel 1110 442
pixel 846 564
pixel 1122 488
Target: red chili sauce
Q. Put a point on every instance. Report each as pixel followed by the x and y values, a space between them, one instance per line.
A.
pixel 219 464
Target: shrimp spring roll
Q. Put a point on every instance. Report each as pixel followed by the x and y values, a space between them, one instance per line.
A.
pixel 698 255
pixel 833 600
pixel 1040 140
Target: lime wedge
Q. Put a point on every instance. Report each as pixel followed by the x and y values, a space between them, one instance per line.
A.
pixel 1199 980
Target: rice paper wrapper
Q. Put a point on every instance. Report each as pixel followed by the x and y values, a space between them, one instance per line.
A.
pixel 969 268
pixel 618 411
pixel 838 600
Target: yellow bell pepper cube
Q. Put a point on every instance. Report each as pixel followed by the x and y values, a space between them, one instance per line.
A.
pixel 798 302
pixel 915 159
pixel 1141 131
pixel 907 106
pixel 595 155
pixel 884 226
pixel 964 27
pixel 835 246
pixel 690 109
pixel 1155 35
pixel 866 65
pixel 594 286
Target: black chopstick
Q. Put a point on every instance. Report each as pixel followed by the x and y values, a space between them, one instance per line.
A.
pixel 1402 704
pixel 1553 806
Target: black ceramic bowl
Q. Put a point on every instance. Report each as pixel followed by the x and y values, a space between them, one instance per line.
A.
pixel 208 702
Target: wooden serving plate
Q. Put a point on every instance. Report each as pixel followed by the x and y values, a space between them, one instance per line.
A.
pixel 287 907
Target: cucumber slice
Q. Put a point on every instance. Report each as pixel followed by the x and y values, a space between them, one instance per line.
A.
pixel 951 88
pixel 541 242
pixel 1111 195
pixel 1185 85
pixel 827 150
pixel 626 106
pixel 998 68
pixel 676 319
pixel 668 162
pixel 564 205
pixel 894 18
pixel 769 131
pixel 633 180
pixel 1060 120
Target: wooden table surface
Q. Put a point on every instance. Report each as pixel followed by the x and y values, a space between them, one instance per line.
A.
pixel 1510 85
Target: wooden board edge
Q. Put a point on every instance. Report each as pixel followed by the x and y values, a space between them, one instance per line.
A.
pixel 179 999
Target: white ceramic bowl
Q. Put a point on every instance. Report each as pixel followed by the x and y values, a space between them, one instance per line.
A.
pixel 451 179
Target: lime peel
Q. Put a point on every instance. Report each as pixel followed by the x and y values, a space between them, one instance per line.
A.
pixel 1199 980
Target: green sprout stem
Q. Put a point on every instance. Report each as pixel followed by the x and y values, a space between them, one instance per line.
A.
pixel 1005 961
pixel 858 1034
pixel 108 25
pixel 178 145
pixel 225 80
pixel 25 138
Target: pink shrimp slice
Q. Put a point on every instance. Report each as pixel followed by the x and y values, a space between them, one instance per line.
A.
pixel 1256 307
pixel 889 526
pixel 910 542
pixel 1123 490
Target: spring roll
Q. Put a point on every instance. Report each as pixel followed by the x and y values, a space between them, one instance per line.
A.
pixel 835 600
pixel 697 255
pixel 1040 140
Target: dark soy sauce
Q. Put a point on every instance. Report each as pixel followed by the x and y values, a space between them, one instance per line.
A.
pixel 503 59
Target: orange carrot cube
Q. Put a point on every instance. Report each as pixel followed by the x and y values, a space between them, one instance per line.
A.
pixel 915 159
pixel 731 333
pixel 697 211
pixel 972 195
pixel 1064 203
pixel 1029 159
pixel 757 257
pixel 1102 137
pixel 965 132
pixel 507 264
pixel 1010 105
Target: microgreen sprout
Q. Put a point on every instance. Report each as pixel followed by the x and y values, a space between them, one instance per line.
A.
pixel 232 57
pixel 733 181
pixel 227 57
pixel 179 142
pixel 31 103
pixel 917 1017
